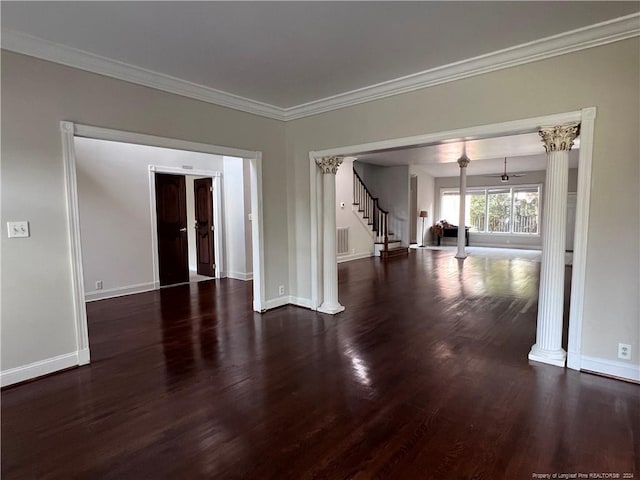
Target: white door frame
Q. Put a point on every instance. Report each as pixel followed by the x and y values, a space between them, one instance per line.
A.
pixel 219 246
pixel 69 130
pixel 586 117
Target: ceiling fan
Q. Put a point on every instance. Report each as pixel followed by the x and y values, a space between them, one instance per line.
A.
pixel 504 177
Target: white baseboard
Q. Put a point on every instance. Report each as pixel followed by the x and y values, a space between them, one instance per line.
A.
pixel 43 367
pixel 120 291
pixel 276 302
pixel 288 300
pixel 628 371
pixel 240 275
pixel 300 302
pixel 509 246
pixel 354 256
pixel 84 357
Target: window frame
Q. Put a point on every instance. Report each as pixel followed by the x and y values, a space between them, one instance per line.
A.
pixel 485 189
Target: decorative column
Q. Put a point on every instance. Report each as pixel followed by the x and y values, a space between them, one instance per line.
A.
pixel 463 162
pixel 329 167
pixel 557 140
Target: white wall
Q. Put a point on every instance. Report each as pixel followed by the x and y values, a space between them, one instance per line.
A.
pixel 115 210
pixel 36 96
pixel 426 201
pixel 606 77
pixel 360 235
pixel 236 184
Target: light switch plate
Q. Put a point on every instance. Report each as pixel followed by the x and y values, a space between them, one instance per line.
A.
pixel 18 229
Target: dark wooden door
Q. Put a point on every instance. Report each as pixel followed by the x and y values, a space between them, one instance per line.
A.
pixel 204 226
pixel 171 208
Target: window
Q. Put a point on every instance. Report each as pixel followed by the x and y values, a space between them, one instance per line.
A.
pixel 477 211
pixel 525 210
pixel 496 210
pixel 499 201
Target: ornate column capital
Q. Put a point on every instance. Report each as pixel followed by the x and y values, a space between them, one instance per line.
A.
pixel 559 137
pixel 329 164
pixel 463 161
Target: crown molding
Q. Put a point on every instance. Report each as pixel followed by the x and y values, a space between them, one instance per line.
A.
pixel 73 57
pixel 572 41
pixel 567 42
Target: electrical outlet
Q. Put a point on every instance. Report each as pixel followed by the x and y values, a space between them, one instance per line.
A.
pixel 99 285
pixel 18 229
pixel 281 290
pixel 624 351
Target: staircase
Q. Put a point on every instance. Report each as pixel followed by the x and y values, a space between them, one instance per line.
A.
pixel 385 241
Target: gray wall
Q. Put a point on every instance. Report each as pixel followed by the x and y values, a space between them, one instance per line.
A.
pixel 36 96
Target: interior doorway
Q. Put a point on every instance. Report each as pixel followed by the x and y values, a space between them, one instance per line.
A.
pixel 203 226
pixel 184 212
pixel 70 132
pixel 319 204
pixel 171 208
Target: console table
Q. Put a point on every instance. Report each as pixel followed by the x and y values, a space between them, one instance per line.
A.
pixel 451 232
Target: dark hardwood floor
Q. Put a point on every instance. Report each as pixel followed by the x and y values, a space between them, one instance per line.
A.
pixel 424 376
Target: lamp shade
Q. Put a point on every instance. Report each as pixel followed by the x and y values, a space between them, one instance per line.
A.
pixel 423 214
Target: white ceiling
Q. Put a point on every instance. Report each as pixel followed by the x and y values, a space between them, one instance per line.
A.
pixel 524 152
pixel 289 53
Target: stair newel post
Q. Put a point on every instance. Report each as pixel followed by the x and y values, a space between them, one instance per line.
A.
pixel 376 210
pixel 355 191
pixel 386 232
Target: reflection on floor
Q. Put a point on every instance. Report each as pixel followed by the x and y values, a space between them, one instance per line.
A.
pixel 194 277
pixel 424 376
pixel 494 252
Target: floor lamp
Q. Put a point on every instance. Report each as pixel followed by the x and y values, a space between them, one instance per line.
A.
pixel 423 214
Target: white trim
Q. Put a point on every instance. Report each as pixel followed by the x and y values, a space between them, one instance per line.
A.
pixel 120 291
pixel 287 300
pixel 613 368
pixel 73 57
pixel 523 125
pixel 587 118
pixel 572 41
pixel 354 256
pixel 580 236
pixel 219 247
pixel 109 134
pixel 300 302
pixel 257 232
pixel 276 302
pixel 83 357
pixel 73 218
pixel 240 275
pixel 315 214
pixel 567 42
pixel 43 367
